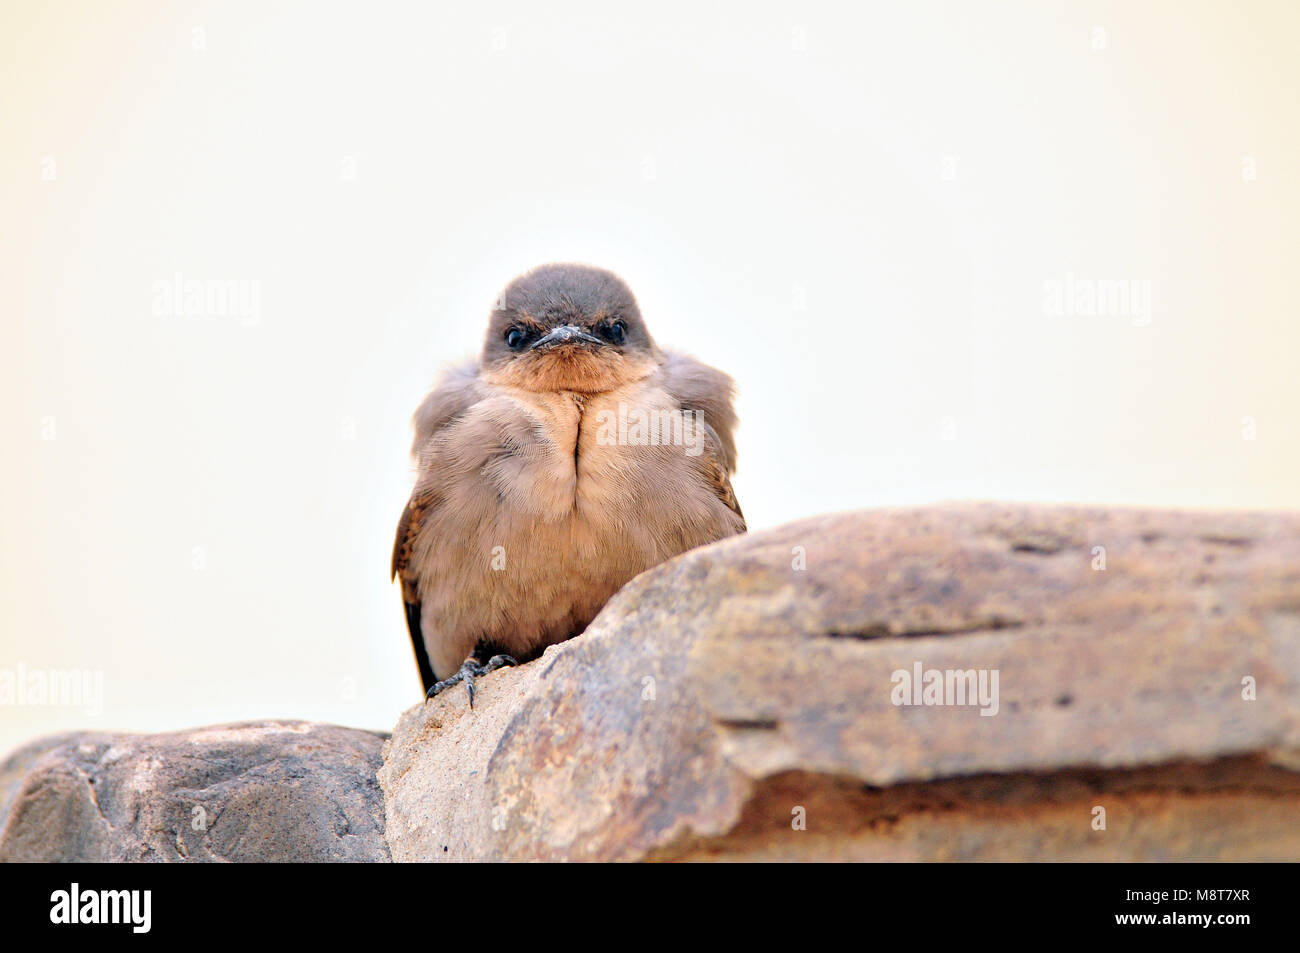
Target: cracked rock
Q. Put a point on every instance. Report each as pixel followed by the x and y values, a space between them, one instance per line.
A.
pixel 740 702
pixel 736 702
pixel 277 791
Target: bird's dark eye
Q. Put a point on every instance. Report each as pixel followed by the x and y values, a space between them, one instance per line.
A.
pixel 617 332
pixel 514 339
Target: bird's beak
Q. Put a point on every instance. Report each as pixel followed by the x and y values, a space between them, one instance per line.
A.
pixel 568 334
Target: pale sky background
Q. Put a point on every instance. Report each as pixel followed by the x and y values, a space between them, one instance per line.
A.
pixel 857 212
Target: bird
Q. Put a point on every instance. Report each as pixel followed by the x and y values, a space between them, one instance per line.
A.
pixel 570 456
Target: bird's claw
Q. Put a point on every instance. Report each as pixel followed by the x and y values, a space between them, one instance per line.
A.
pixel 470 669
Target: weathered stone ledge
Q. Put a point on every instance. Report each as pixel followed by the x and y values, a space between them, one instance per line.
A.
pixel 738 702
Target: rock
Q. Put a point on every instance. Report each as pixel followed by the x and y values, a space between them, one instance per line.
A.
pixel 261 791
pixel 744 702
pixel 1148 669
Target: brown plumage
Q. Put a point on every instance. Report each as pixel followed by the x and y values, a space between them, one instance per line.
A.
pixel 537 497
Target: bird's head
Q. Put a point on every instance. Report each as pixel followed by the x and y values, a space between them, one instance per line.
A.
pixel 567 327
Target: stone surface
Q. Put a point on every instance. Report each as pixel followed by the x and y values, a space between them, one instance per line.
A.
pixel 277 791
pixel 723 695
pixel 738 703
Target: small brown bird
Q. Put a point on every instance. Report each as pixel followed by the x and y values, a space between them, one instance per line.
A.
pixel 571 456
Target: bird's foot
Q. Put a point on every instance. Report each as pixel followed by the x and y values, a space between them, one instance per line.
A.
pixel 471 669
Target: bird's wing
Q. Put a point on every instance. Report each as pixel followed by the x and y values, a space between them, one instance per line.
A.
pixel 713 466
pixel 455 393
pixel 705 389
pixel 408 529
pixel 708 392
